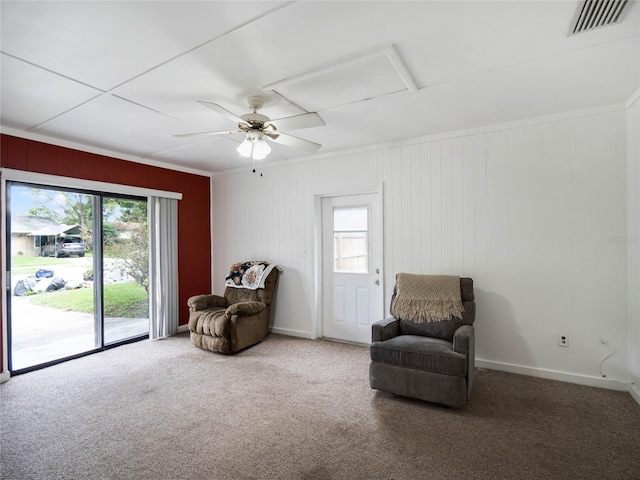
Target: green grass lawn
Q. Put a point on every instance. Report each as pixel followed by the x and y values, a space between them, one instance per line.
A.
pixel 24 265
pixel 125 299
pixel 24 261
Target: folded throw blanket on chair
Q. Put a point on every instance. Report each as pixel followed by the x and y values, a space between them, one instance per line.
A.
pixel 250 275
pixel 427 298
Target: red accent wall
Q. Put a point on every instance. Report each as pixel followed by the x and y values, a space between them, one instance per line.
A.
pixel 194 228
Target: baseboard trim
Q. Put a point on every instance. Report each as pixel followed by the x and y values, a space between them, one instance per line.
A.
pixel 554 375
pixel 279 331
pixel 4 376
pixel 290 333
pixel 634 391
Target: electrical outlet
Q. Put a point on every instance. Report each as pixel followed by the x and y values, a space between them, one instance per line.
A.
pixel 563 340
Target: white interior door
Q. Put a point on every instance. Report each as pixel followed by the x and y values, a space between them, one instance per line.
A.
pixel 352 289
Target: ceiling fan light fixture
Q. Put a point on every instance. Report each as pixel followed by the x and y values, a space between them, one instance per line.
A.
pixel 258 128
pixel 246 148
pixel 254 146
pixel 260 149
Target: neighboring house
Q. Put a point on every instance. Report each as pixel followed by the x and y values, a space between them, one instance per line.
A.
pixel 29 233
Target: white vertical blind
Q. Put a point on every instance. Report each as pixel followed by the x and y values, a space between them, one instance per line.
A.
pixel 163 267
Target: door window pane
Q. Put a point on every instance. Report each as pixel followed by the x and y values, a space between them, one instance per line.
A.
pixel 126 269
pixel 351 239
pixel 51 303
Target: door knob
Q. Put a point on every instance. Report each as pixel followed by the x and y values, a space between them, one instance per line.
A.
pixel 377 282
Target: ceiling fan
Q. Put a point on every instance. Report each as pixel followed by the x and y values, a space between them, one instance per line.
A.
pixel 257 128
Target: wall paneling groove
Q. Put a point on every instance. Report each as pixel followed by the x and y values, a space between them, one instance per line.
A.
pixel 526 210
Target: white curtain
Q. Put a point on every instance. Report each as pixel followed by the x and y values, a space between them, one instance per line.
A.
pixel 163 267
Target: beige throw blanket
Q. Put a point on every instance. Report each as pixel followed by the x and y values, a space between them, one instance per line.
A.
pixel 427 298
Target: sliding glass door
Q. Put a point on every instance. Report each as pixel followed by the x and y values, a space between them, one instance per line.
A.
pixel 77 275
pixel 125 246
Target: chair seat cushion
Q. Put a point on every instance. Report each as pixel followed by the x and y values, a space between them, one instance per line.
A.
pixel 422 353
pixel 211 322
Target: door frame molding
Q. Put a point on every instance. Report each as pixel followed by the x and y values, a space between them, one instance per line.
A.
pixel 318 195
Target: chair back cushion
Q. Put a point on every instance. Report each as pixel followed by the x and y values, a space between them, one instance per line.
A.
pixel 237 295
pixel 444 329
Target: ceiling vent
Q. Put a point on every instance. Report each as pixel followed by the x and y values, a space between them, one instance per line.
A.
pixel 592 14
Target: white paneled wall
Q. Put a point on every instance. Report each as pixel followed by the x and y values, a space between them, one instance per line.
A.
pixel 528 211
pixel 633 239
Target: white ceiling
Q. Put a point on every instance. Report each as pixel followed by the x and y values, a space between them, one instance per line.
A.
pixel 125 76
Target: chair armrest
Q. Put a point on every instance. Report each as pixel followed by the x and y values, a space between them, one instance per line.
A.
pixel 202 302
pixel 463 339
pixel 245 308
pixel 384 329
pixel 464 342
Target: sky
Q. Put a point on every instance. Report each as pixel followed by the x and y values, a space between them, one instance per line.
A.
pixel 23 199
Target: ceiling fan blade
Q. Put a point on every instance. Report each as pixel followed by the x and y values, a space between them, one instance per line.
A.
pixel 223 111
pixel 295 142
pixel 295 122
pixel 208 133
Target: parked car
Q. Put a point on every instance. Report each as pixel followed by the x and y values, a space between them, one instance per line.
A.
pixel 63 247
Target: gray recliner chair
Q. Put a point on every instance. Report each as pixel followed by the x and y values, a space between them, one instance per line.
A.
pixel 431 361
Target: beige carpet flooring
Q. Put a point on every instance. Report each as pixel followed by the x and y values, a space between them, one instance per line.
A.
pixel 291 408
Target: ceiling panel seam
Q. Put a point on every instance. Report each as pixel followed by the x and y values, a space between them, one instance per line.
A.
pixel 58 74
pixel 159 112
pixel 366 63
pixel 290 102
pixel 388 51
pixel 532 60
pixel 35 127
pixel 207 42
pixel 387 94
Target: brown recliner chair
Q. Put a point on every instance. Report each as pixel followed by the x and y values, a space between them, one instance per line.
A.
pixel 237 320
